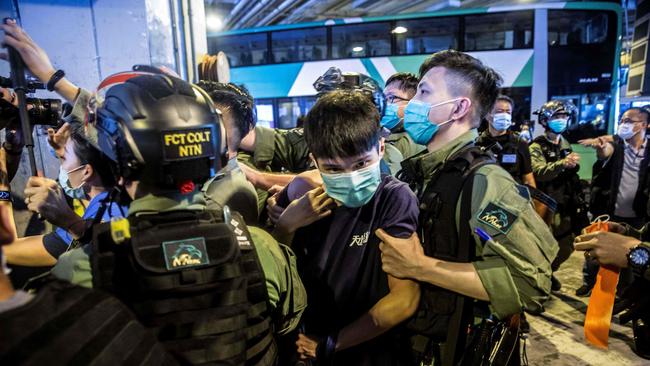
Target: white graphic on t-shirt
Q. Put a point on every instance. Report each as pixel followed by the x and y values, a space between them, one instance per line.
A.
pixel 360 240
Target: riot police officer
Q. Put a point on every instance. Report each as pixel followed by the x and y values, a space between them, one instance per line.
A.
pixel 555 166
pixel 474 220
pixel 511 152
pixel 212 288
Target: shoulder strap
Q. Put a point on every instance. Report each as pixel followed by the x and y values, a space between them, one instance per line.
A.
pixel 462 315
pixel 261 349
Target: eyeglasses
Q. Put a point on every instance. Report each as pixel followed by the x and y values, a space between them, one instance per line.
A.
pixel 395 98
pixel 628 120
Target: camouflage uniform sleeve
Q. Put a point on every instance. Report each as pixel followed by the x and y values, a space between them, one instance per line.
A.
pixel 286 292
pixel 515 265
pixel 264 147
pixel 393 158
pixel 405 144
pixel 543 170
pixel 74 267
pixel 79 109
pixel 291 152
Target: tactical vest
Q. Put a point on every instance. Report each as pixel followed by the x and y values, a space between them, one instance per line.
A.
pixel 566 189
pixel 607 177
pixel 440 235
pixel 566 184
pixel 71 325
pixel 230 188
pixel 195 279
pixel 507 156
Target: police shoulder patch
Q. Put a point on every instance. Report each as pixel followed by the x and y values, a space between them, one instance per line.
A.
pixel 497 217
pixel 185 253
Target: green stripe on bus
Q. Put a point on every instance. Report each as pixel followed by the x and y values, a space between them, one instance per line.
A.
pixel 525 77
pixel 408 63
pixel 372 71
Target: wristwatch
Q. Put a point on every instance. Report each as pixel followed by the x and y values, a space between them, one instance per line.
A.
pixel 5 196
pixel 639 260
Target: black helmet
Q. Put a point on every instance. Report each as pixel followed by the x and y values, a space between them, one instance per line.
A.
pixel 159 129
pixel 334 79
pixel 550 108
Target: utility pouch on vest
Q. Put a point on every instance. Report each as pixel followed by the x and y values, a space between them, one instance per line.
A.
pixel 182 273
pixel 444 315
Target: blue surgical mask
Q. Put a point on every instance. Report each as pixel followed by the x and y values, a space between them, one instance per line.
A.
pixel 64 182
pixel 353 189
pixel 416 120
pixel 558 125
pixel 525 135
pixel 501 121
pixel 390 118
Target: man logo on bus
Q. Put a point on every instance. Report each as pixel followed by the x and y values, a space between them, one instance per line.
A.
pixel 186 255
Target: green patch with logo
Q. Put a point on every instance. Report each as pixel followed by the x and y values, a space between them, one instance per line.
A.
pixel 185 253
pixel 497 217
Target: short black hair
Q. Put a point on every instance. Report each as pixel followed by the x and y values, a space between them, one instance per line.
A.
pixel 505 98
pixel 236 99
pixel 104 167
pixel 467 71
pixel 645 110
pixel 408 82
pixel 342 124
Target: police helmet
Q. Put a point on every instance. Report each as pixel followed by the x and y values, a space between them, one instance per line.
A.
pixel 334 79
pixel 550 108
pixel 159 129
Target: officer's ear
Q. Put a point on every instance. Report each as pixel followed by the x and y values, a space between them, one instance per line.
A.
pixel 87 172
pixel 382 147
pixel 462 108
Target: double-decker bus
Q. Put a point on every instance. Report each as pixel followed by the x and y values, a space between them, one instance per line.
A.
pixel 552 50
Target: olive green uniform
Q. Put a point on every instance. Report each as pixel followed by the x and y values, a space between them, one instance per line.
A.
pixel 286 292
pixel 515 266
pixel 280 150
pixel 545 171
pixel 404 143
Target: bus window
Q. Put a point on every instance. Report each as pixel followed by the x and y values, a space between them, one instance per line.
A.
pixel 423 36
pixel 242 50
pixel 288 113
pixel 299 45
pixel 361 40
pixel 264 111
pixel 571 27
pixel 499 31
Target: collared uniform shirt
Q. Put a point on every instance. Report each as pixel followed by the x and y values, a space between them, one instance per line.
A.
pixel 629 183
pixel 515 266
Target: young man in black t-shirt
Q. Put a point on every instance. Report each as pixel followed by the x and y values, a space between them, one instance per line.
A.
pixel 354 306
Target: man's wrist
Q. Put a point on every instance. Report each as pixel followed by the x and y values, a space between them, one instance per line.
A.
pixel 424 268
pixel 46 76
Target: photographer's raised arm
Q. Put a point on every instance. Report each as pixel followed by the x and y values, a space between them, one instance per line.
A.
pixel 36 60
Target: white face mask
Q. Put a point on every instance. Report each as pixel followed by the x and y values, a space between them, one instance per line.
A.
pixel 626 131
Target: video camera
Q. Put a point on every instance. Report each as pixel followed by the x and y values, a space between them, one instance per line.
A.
pixel 40 111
